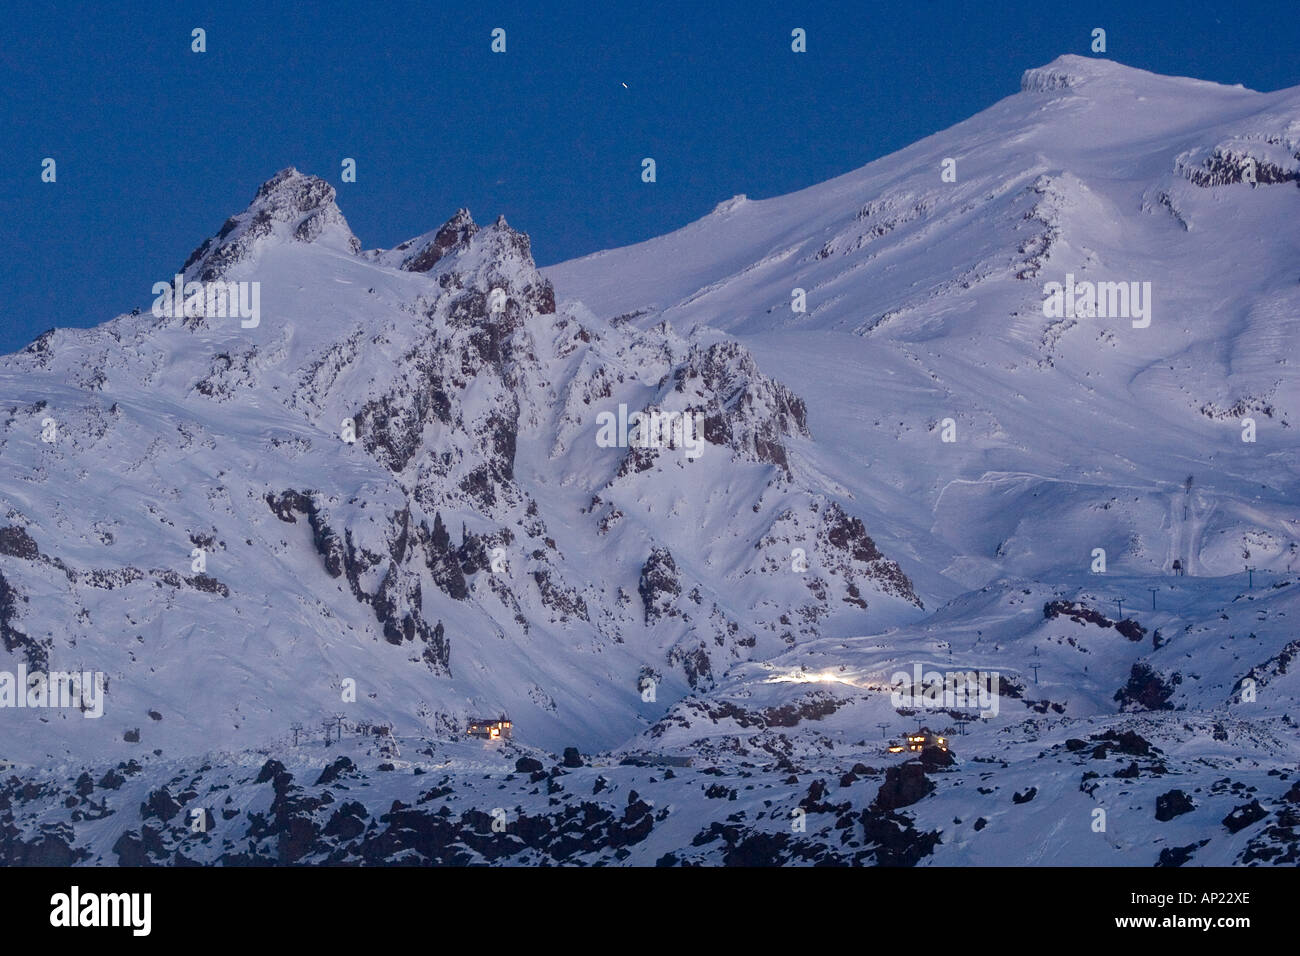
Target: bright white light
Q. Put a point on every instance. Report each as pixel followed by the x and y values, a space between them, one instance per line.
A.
pixel 809 677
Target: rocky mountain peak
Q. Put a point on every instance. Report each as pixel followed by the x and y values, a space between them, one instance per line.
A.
pixel 290 205
pixel 461 255
pixel 424 252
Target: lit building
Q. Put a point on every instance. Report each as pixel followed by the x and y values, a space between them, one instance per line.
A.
pixel 490 729
pixel 918 741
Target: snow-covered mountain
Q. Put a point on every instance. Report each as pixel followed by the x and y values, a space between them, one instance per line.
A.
pixel 411 474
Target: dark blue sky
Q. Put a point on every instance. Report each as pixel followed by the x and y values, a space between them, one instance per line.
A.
pixel 157 145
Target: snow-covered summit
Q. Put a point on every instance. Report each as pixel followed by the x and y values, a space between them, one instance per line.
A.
pixel 1075 73
pixel 289 206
